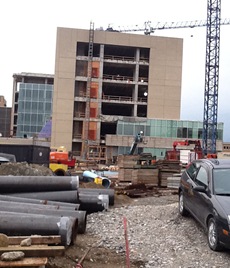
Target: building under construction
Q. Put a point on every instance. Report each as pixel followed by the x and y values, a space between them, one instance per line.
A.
pixel 108 86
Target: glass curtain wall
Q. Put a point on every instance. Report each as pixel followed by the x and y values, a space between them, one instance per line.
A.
pixel 164 129
pixel 34 108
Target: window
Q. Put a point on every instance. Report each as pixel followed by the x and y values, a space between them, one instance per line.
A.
pixel 202 177
pixel 184 132
pixel 192 170
pixel 221 181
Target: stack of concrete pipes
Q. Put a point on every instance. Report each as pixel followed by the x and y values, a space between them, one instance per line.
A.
pixel 48 205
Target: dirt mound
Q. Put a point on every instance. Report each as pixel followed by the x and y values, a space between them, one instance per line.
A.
pixel 24 169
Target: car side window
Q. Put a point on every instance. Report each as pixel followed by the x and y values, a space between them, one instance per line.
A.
pixel 202 177
pixel 192 170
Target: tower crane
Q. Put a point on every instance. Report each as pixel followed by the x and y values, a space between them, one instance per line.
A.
pixel 212 25
pixel 150 27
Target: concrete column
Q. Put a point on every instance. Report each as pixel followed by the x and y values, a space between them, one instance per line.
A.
pixel 100 83
pixel 136 78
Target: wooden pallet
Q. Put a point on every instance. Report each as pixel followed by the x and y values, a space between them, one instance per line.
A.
pixel 26 262
pixel 37 254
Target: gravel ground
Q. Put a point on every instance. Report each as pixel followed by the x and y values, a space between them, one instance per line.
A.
pixel 158 236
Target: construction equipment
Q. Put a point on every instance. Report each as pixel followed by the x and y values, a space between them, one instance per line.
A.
pixel 61 161
pixel 88 88
pixel 211 78
pixel 195 153
pixel 138 138
pixel 149 27
pixel 175 154
pixel 212 66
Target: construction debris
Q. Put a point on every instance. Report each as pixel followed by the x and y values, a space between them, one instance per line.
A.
pixel 12 256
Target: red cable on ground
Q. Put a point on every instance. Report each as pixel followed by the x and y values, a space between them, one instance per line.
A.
pixel 126 242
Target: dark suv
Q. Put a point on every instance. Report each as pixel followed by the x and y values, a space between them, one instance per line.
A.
pixel 204 192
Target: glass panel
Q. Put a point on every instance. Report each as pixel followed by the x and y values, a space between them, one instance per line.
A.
pixel 48 95
pixel 158 131
pixel 195 133
pixel 200 131
pixel 47 107
pixel 169 132
pixel 190 133
pixel 190 124
pixel 128 129
pixel 180 133
pixel 174 132
pixel 40 107
pixel 35 94
pixel 28 94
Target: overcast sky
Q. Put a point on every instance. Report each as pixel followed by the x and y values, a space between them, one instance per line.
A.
pixel 28 40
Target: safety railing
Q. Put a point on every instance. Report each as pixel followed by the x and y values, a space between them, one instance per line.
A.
pixel 116 98
pixel 118 58
pixel 118 78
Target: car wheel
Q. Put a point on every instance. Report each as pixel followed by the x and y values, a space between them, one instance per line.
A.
pixel 182 210
pixel 213 238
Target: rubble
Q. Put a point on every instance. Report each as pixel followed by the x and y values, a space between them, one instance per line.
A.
pixel 24 169
pixel 12 256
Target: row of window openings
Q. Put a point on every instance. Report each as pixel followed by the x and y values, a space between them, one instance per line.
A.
pixel 95 73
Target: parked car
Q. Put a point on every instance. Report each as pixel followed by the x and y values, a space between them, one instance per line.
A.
pixel 3 160
pixel 204 192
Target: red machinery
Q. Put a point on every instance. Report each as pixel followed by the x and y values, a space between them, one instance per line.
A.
pixel 175 153
pixel 61 156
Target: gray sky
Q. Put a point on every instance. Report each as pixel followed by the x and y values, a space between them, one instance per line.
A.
pixel 28 40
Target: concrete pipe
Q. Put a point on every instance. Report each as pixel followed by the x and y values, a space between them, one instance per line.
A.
pixel 12 223
pixel 11 184
pixel 90 202
pixel 34 206
pixel 45 210
pixel 91 176
pixel 10 198
pixel 59 196
pixel 109 192
pixel 93 203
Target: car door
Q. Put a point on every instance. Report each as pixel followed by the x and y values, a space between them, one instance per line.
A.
pixel 187 182
pixel 200 201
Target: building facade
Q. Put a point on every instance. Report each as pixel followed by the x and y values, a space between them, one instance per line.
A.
pixel 32 103
pixel 5 117
pixel 102 77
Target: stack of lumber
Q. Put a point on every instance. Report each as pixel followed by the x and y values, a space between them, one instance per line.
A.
pixel 174 181
pixel 131 170
pixel 127 161
pixel 167 168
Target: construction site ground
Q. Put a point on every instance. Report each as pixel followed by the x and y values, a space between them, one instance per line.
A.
pixel 83 250
pixel 101 257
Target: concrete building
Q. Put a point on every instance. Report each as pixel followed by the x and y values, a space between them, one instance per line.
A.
pixel 107 87
pixel 31 104
pixel 103 77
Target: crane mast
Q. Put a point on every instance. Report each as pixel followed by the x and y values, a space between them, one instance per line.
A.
pixel 211 77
